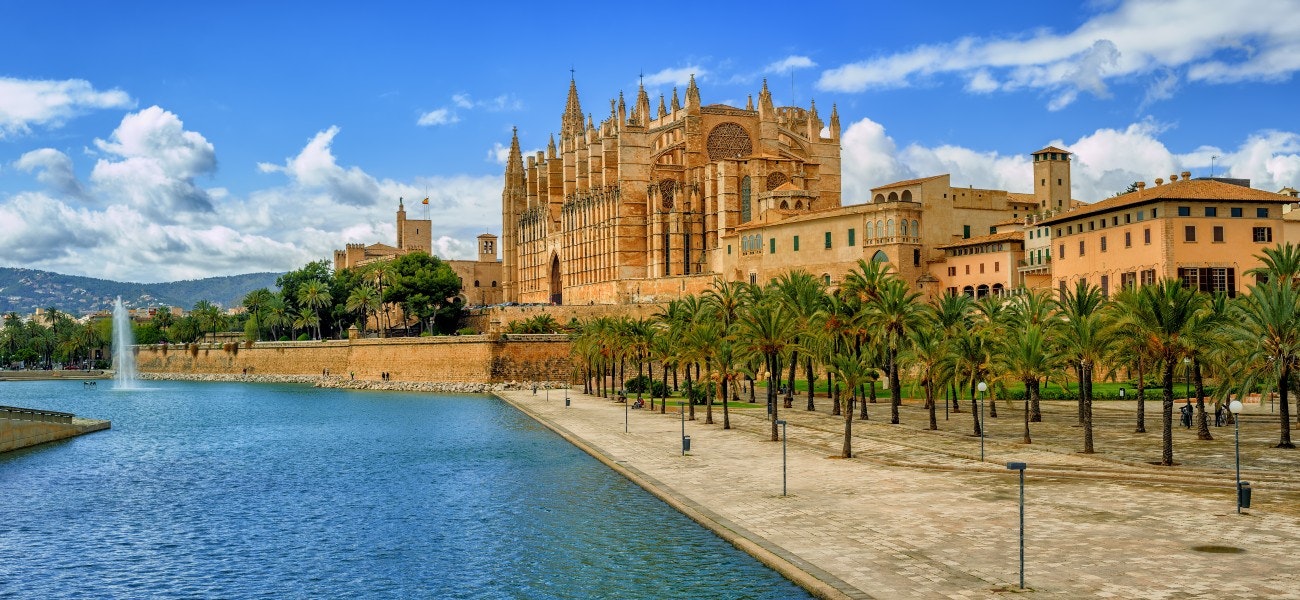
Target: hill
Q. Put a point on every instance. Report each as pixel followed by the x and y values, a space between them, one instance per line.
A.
pixel 24 290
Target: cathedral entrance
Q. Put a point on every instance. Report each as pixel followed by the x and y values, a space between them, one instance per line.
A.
pixel 557 292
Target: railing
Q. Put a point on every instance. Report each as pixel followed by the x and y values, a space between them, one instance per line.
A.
pixel 31 414
pixel 895 239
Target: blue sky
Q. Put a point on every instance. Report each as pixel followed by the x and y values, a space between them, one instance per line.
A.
pixel 156 141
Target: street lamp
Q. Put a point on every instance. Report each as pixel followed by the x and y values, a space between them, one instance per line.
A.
pixel 781 422
pixel 1235 408
pixel 982 387
pixel 1019 466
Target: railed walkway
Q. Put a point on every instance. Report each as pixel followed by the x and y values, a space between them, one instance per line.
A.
pixel 917 515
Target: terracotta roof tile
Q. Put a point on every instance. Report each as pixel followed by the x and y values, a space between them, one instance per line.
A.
pixel 1051 149
pixel 985 239
pixel 906 182
pixel 1186 189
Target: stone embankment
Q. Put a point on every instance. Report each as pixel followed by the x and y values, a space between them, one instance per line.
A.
pixel 365 384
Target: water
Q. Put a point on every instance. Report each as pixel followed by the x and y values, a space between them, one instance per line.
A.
pixel 123 355
pixel 239 490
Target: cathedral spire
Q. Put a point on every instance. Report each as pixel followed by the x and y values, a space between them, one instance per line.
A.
pixel 642 106
pixel 550 148
pixel 676 105
pixel 571 121
pixel 622 109
pixel 835 123
pixel 692 93
pixel 765 109
pixel 663 110
pixel 515 162
pixel 750 105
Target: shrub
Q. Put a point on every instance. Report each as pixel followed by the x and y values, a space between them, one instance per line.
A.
pixel 303 337
pixel 467 331
pixel 645 384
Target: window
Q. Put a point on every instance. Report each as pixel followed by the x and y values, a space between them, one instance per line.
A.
pixel 965 231
pixel 1070 229
pixel 1058 232
pixel 827 279
pixel 968 269
pixel 1184 211
pixel 828 239
pixel 1209 279
pixel 981 268
pixel 1114 220
pixel 997 266
pixel 1141 214
pixel 853 237
pixel 902 228
pixel 1090 226
pixel 1128 218
pixel 916 228
pixel 728 248
pixel 476 283
pixel 1189 233
pixel 1105 286
pixel 1217 233
pixel 993 230
pixel 1146 235
pixel 871 230
pixel 1261 213
pixel 746 209
pixel 1061 253
pixel 1211 211
pixel 1080 247
pixel 796 243
pixel 1262 234
pixel 1154 213
pixel 889 228
pixel 1235 212
pixel 1128 280
pixel 1147 277
pixel 916 257
pixel 771 246
pixel 952 271
pixel 1103 243
pixel 1128 239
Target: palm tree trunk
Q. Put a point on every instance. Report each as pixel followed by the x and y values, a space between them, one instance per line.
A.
pixel 690 395
pixel 956 398
pixel 831 389
pixel 1031 398
pixel 830 378
pixel 811 392
pixel 895 394
pixel 648 382
pixel 871 385
pixel 771 395
pixel 726 415
pixel 1085 394
pixel 1202 424
pixel 929 402
pixel 1283 386
pixel 794 368
pixel 1167 415
pixel 1142 401
pixel 975 414
pixel 708 397
pixel 1079 369
pixel 663 404
pixel 847 450
pixel 993 404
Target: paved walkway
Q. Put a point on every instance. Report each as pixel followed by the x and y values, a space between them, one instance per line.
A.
pixel 917 515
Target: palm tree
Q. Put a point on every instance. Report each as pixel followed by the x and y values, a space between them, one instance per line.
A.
pixel 1027 357
pixel 1127 349
pixel 1281 263
pixel 1034 307
pixel 894 311
pixel 767 333
pixel 1208 338
pixel 802 294
pixel 363 300
pixel 256 301
pixel 927 350
pixel 1084 336
pixel 315 295
pixel 1166 312
pixel 1267 330
pixel 972 353
pixel 952 313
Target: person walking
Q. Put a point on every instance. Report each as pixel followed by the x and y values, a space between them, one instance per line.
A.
pixel 1187 414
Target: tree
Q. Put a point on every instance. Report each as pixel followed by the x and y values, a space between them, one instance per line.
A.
pixel 256 301
pixel 427 288
pixel 927 350
pixel 802 294
pixel 315 295
pixel 364 301
pixel 1127 349
pixel 894 311
pixel 1267 332
pixel 1166 312
pixel 767 334
pixel 1085 339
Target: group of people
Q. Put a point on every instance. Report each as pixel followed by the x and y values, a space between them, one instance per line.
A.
pixel 384 376
pixel 1220 414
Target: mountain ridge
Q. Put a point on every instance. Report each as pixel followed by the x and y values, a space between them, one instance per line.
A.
pixel 24 290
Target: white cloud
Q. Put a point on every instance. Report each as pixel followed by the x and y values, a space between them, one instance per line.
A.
pixel 675 76
pixel 151 164
pixel 24 103
pixel 1105 161
pixel 790 62
pixel 1257 40
pixel 54 169
pixel 314 169
pixel 440 116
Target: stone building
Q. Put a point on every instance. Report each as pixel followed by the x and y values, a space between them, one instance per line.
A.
pixel 480 279
pixel 636 207
pixel 412 235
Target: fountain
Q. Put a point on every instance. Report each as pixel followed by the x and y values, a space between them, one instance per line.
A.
pixel 123 355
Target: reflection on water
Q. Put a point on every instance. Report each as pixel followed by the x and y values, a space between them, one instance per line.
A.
pixel 235 490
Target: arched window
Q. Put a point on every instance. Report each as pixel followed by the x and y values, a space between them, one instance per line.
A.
pixel 475 283
pixel 879 198
pixel 880 257
pixel 968 290
pixel 893 196
pixel 827 278
pixel 494 284
pixel 903 228
pixel 785 205
pixel 871 230
pixel 982 291
pixel 889 228
pixel 998 289
pixel 907 195
pixel 798 204
pixel 746 209
pixel 916 228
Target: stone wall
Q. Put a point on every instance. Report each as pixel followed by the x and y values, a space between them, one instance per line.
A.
pixel 21 433
pixel 468 359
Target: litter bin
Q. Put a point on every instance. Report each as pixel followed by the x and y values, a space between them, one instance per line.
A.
pixel 686 443
pixel 1243 494
pixel 566 402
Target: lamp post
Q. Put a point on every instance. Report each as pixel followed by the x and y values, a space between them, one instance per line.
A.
pixel 982 387
pixel 1019 466
pixel 566 396
pixel 781 422
pixel 623 396
pixel 770 396
pixel 1187 378
pixel 1235 408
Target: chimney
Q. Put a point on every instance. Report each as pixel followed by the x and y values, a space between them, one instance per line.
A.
pixel 1159 181
pixel 1142 185
pixel 1187 175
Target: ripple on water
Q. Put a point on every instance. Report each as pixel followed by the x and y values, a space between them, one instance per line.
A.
pixel 240 490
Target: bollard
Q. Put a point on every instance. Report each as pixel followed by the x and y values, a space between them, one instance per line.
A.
pixel 686 444
pixel 1243 494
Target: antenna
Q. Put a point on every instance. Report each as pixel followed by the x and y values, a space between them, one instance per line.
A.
pixel 1213 157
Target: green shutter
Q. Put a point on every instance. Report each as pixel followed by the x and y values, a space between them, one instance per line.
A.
pixel 771 245
pixel 852 237
pixel 796 243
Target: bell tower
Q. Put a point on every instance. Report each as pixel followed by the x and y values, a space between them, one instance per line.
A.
pixel 1052 179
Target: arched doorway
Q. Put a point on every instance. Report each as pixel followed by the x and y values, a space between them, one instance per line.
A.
pixel 557 291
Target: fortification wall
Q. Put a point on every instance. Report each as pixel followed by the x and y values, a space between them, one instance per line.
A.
pixel 462 359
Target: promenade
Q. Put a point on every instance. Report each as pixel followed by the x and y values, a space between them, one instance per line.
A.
pixel 916 514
